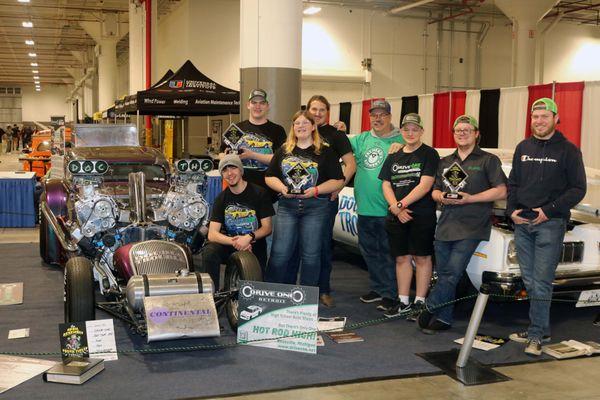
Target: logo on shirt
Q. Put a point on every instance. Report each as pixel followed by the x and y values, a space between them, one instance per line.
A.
pixel 526 158
pixel 240 220
pixel 373 157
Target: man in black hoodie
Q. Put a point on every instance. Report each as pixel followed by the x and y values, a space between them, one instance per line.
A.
pixel 546 181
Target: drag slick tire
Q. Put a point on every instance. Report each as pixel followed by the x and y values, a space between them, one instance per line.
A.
pixel 49 246
pixel 79 290
pixel 242 265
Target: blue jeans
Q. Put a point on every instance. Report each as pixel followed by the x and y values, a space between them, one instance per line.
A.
pixel 324 279
pixel 297 230
pixel 538 250
pixel 451 260
pixel 375 249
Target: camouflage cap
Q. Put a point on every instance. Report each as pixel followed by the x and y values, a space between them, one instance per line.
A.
pixel 412 118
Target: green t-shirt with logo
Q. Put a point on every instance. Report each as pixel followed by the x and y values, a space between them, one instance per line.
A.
pixel 370 152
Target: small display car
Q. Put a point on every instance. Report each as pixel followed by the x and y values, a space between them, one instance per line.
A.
pixel 250 312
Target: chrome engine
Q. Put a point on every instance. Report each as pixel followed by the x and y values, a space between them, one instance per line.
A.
pixel 95 212
pixel 184 206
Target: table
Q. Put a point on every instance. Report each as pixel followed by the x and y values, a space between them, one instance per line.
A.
pixel 17 207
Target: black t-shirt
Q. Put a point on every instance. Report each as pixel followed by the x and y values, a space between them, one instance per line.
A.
pixel 320 167
pixel 265 139
pixel 241 213
pixel 337 140
pixel 404 171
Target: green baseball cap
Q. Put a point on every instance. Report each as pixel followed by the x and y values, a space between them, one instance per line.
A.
pixel 544 104
pixel 412 118
pixel 468 120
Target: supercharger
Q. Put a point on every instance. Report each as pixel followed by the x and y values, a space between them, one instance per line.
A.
pixel 183 207
pixel 95 212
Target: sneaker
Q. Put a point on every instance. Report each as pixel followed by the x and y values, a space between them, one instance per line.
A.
pixel 397 309
pixel 385 304
pixel 429 324
pixel 370 297
pixel 415 310
pixel 327 300
pixel 534 347
pixel 523 337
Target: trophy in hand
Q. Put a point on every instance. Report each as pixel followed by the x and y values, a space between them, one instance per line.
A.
pixel 296 178
pixel 455 178
pixel 232 137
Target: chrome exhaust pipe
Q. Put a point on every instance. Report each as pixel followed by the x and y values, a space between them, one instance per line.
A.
pixel 60 235
pixel 137 197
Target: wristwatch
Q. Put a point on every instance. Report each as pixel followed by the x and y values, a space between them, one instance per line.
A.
pixel 253 236
pixel 399 205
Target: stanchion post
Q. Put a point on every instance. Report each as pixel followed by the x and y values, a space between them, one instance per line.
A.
pixel 465 350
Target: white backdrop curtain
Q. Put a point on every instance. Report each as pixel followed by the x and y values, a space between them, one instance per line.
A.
pixel 426 113
pixel 512 116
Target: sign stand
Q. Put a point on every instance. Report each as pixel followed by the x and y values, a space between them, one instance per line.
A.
pixel 459 366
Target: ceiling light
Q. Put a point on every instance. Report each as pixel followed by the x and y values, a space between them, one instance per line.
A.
pixel 37 86
pixel 37 83
pixel 311 10
pixel 36 77
pixel 32 55
pixel 29 42
pixel 27 24
pixel 37 89
pixel 35 71
pixel 23 1
pixel 34 64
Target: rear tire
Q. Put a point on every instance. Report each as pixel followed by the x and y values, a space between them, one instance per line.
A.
pixel 242 265
pixel 49 245
pixel 79 290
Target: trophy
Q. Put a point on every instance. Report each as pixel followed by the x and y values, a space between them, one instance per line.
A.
pixel 297 177
pixel 232 137
pixel 455 178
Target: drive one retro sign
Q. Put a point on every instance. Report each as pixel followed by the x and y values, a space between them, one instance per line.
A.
pixel 272 310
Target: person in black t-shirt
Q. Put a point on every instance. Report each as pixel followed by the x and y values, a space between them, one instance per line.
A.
pixel 408 176
pixel 262 137
pixel 304 163
pixel 319 107
pixel 240 219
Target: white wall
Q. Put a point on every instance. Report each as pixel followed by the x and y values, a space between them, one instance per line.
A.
pixel 205 32
pixel 39 106
pixel 572 53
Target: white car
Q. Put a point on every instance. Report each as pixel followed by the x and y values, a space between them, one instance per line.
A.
pixel 251 312
pixel 495 261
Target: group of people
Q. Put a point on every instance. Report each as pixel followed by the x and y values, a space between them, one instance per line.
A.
pixel 399 182
pixel 13 138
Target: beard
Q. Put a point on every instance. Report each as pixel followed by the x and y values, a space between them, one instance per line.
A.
pixel 545 132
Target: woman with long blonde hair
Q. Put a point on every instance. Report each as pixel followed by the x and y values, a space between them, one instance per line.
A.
pixel 304 171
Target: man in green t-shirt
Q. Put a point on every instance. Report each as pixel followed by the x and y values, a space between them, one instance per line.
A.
pixel 370 150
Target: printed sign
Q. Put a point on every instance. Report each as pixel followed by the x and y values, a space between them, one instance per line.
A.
pixel 181 316
pixel 272 310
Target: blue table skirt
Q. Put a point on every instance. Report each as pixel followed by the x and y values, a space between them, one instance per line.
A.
pixel 17 208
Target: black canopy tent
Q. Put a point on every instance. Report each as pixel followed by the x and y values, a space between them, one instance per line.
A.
pixel 187 92
pixel 128 104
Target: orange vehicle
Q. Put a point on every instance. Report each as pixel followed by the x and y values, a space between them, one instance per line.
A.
pixel 38 160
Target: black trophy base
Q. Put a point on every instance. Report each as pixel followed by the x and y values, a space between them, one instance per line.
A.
pixel 474 373
pixel 452 196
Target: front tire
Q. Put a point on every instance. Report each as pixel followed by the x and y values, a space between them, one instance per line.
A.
pixel 79 290
pixel 242 265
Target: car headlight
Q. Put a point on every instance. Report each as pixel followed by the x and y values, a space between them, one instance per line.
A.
pixel 511 255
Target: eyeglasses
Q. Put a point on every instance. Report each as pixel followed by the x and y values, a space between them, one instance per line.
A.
pixel 463 131
pixel 379 116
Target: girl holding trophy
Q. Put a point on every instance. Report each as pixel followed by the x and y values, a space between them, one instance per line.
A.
pixel 304 171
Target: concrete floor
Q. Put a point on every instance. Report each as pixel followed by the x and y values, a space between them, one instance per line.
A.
pixel 576 379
